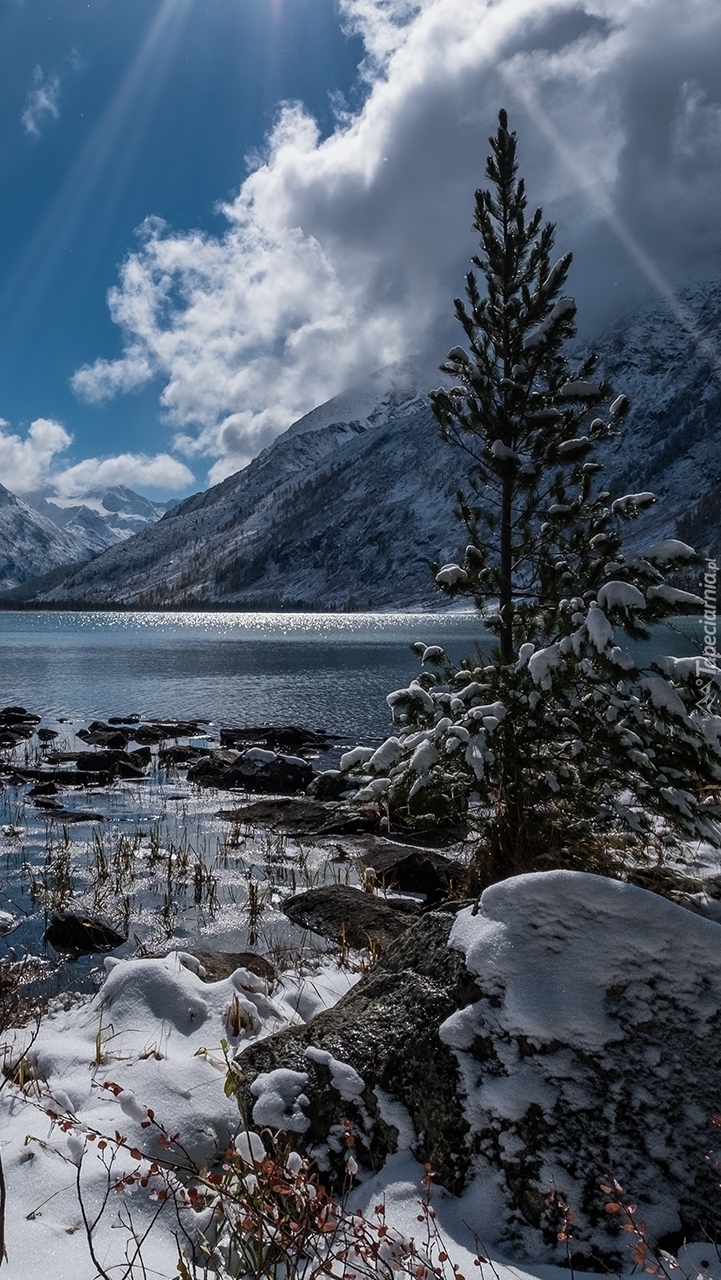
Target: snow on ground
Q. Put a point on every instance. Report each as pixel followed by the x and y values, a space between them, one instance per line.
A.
pixel 153 1033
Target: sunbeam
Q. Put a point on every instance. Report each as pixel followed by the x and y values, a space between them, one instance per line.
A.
pixel 108 152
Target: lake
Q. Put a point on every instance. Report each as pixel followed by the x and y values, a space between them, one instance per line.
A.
pixel 329 671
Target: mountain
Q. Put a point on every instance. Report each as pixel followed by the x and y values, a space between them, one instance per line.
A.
pixel 348 508
pixel 30 544
pixel 101 517
pixel 339 512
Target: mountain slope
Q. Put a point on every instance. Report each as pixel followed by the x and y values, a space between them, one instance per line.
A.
pixel 342 514
pixel 101 517
pixel 30 544
pixel 347 509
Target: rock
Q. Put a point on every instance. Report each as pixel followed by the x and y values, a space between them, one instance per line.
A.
pixel 411 869
pixel 350 916
pixel 18 715
pixel 131 719
pixel 386 1029
pixel 302 817
pixel 182 755
pixel 140 756
pixel 102 735
pixel 220 964
pixel 57 813
pixel 81 934
pixel 43 789
pixel 567 1030
pixel 328 785
pixel 47 735
pixel 289 736
pixel 115 763
pixel 253 770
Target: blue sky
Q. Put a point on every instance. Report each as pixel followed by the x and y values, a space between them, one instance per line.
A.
pixel 218 213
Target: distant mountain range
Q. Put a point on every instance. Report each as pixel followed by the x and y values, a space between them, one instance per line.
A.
pixel 347 509
pixel 40 533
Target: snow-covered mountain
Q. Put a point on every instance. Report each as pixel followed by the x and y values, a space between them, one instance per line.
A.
pixel 348 508
pixel 30 543
pixel 101 517
pixel 341 511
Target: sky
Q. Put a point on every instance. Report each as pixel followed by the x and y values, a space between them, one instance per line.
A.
pixel 217 214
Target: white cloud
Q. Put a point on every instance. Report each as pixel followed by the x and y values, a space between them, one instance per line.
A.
pixel 42 103
pixel 25 464
pixel 343 254
pixel 30 464
pixel 132 469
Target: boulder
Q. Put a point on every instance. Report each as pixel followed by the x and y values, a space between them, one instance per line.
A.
pixel 386 1030
pixel 288 736
pixel 583 1043
pixel 47 735
pixel 220 964
pixel 351 916
pixel 411 869
pixel 115 763
pixel 81 935
pixel 301 817
pixel 253 770
pixel 98 734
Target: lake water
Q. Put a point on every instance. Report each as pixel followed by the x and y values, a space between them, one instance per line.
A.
pixel 158 861
pixel 329 671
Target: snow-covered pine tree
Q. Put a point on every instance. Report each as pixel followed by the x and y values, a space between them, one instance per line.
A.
pixel 569 753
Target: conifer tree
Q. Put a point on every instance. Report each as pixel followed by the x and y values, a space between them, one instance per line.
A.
pixel 567 752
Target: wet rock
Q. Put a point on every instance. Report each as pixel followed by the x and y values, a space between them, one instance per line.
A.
pixel 411 869
pixel 114 763
pixel 182 755
pixel 351 916
pixel 47 735
pixel 43 789
pixel 302 817
pixel 18 715
pixel 81 935
pixel 253 770
pixel 98 734
pixel 140 756
pixel 8 739
pixel 220 964
pixel 328 785
pixel 290 737
pixel 131 719
pixel 149 734
pixel 386 1029
pixel 58 813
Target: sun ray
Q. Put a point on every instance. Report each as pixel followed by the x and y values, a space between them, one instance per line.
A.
pixel 110 149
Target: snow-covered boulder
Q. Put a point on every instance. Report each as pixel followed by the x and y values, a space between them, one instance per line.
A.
pixel 567 1030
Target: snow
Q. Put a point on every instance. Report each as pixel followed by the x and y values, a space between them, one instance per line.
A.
pixel 620 595
pixel 451 574
pixel 632 501
pixel 600 631
pixel 542 663
pixel 580 389
pixel 343 1077
pixel 663 696
pixel 280 1099
pixel 668 550
pixel 673 595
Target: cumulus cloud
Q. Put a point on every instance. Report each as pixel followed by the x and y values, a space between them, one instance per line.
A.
pixel 30 464
pixel 342 254
pixel 132 469
pixel 42 103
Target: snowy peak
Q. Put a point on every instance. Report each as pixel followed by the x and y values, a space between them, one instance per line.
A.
pixel 30 544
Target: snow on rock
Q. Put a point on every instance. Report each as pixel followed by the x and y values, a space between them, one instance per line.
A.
pixel 621 595
pixel 593 1048
pixel 280 1100
pixel 343 1077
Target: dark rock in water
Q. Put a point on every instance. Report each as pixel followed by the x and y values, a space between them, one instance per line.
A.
pixel 182 755
pixel 43 789
pixel 155 731
pixel 386 1029
pixel 131 719
pixel 63 815
pixel 116 763
pixel 81 935
pixel 350 915
pixel 102 735
pixel 274 737
pixel 411 869
pixel 253 770
pixel 328 785
pixel 220 964
pixel 140 756
pixel 47 735
pixel 8 739
pixel 302 817
pixel 18 715
pixel 149 734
